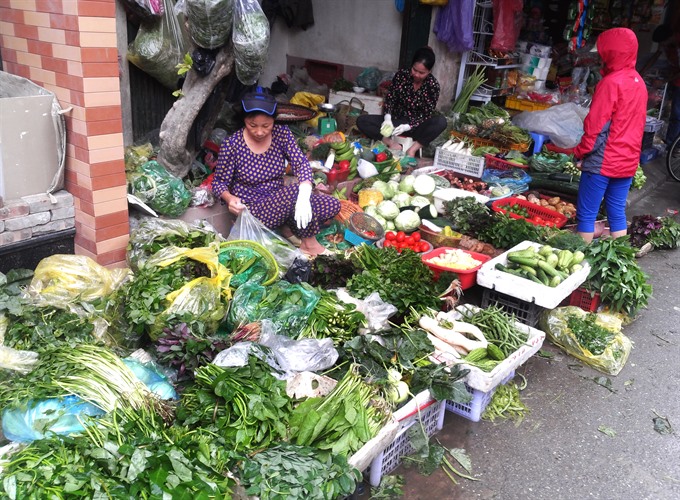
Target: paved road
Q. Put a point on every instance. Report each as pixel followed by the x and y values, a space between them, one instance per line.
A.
pixel 557 452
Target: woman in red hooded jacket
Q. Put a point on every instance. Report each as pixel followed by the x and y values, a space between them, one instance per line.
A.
pixel 612 135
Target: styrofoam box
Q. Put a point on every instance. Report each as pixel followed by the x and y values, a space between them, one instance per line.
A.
pixel 448 194
pixel 486 381
pixel 545 296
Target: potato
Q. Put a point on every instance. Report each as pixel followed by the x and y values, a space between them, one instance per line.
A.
pixel 554 200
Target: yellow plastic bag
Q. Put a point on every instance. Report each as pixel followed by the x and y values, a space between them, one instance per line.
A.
pixel 64 278
pixel 207 299
pixel 613 358
pixel 311 101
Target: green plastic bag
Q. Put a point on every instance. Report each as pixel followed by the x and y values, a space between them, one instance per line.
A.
pixel 555 324
pixel 287 306
pixel 159 189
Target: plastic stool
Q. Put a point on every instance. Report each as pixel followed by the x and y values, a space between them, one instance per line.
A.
pixel 406 142
pixel 539 139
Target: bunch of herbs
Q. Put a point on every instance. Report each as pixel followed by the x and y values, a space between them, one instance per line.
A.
pixel 590 335
pixel 12 286
pixel 616 274
pixel 667 236
pixel 506 232
pixel 246 405
pixel 642 227
pixel 331 271
pixel 467 215
pixel 289 471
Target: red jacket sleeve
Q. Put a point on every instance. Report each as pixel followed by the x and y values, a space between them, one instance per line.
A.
pixel 601 111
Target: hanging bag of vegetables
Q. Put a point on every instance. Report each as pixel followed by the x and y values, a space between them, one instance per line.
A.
pixel 251 40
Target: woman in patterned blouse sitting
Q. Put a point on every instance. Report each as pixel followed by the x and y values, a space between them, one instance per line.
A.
pixel 409 107
pixel 250 170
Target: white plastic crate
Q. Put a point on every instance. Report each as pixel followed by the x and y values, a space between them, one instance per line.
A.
pixel 390 458
pixel 362 458
pixel 545 296
pixel 485 381
pixel 480 400
pixel 461 163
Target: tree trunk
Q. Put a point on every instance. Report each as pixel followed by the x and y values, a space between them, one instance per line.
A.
pixel 174 133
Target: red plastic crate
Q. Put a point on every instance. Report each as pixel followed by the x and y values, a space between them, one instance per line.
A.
pixel 467 277
pixel 501 164
pixel 534 210
pixel 584 299
pixel 556 149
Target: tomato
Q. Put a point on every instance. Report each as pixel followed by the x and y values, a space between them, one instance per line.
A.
pixel 409 240
pixel 401 236
pixel 424 247
pixel 388 243
pixel 382 156
pixel 390 235
pixel 416 236
pixel 344 165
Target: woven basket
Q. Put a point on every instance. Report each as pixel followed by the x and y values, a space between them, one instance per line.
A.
pixel 347 209
pixel 437 239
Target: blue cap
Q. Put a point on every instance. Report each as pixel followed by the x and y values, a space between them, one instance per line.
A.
pixel 259 101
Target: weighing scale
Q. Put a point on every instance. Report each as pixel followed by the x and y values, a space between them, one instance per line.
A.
pixel 327 124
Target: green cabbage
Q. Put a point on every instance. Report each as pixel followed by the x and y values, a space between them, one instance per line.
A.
pixel 402 199
pixel 388 209
pixel 406 184
pixel 407 221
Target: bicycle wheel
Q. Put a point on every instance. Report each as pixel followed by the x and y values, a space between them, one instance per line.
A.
pixel 673 160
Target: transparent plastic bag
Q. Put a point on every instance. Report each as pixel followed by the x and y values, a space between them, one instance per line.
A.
pixel 210 21
pixel 377 311
pixel 150 375
pixel 151 235
pixel 248 227
pixel 507 23
pixel 548 162
pixel 516 179
pixel 18 361
pixel 615 355
pixel 137 155
pixel 159 47
pixel 300 355
pixel 251 40
pixel 62 278
pixel 563 123
pixel 288 306
pixel 158 188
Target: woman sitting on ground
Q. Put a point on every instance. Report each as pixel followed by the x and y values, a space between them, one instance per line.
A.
pixel 409 107
pixel 250 173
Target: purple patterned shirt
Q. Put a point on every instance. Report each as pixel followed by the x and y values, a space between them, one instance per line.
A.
pixel 254 177
pixel 405 103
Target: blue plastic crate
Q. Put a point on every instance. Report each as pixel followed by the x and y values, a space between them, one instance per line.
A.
pixel 480 400
pixel 648 155
pixel 355 239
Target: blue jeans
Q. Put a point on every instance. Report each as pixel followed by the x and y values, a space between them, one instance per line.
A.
pixel 674 121
pixel 591 190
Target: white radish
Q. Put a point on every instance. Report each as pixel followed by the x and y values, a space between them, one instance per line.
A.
pixel 451 337
pixel 443 347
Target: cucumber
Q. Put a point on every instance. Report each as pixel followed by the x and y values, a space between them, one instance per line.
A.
pixel 428 212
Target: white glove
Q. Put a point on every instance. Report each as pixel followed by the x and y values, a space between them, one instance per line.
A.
pixel 303 207
pixel 387 128
pixel 401 129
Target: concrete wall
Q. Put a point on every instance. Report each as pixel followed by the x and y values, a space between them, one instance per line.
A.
pixel 69 47
pixel 357 33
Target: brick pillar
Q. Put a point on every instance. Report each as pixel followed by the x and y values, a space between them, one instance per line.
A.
pixel 69 47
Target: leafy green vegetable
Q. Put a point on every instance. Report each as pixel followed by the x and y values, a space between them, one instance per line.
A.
pixel 616 274
pixel 246 405
pixel 467 215
pixel 390 487
pixel 668 236
pixel 332 318
pixel 505 232
pixel 288 471
pixel 589 334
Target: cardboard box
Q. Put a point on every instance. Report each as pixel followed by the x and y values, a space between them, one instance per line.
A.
pixel 29 158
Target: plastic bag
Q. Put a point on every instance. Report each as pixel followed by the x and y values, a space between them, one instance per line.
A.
pixel 562 123
pixel 158 188
pixel 251 40
pixel 62 278
pixel 49 416
pixel 507 23
pixel 516 179
pixel 248 227
pixel 300 355
pixel 248 262
pixel 136 156
pixel 149 374
pixel 615 355
pixel 151 235
pixel 206 299
pixel 159 47
pixel 453 25
pixel 311 101
pixel 548 162
pixel 377 311
pixel 287 306
pixel 369 78
pixel 19 361
pixel 210 21
pixel 299 271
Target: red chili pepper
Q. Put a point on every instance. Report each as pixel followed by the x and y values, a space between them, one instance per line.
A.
pixel 382 156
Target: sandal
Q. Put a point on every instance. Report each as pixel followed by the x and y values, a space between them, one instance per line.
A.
pixel 294 240
pixel 313 256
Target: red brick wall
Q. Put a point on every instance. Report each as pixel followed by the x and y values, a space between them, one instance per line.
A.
pixel 69 47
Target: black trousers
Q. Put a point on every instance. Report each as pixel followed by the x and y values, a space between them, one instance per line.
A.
pixel 424 133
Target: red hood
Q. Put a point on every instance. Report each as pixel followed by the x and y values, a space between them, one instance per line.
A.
pixel 618 48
